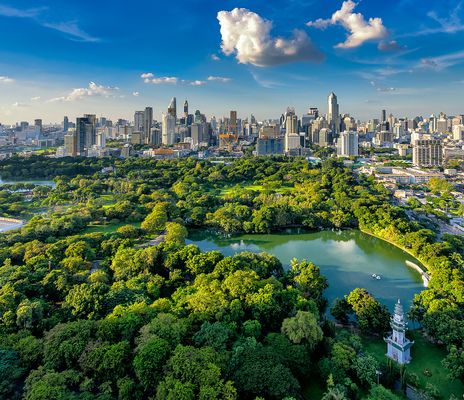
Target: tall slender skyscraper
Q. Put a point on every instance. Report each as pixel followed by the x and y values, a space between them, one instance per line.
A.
pixel 139 117
pixel 65 124
pixel 186 110
pixel 334 113
pixel 233 127
pixel 147 124
pixel 172 109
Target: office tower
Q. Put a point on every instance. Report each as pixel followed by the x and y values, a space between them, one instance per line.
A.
pixel 186 111
pixel 334 114
pixel 168 129
pixel 233 126
pixel 65 124
pixel 442 124
pixel 269 145
pixel 38 125
pixel 197 118
pixel 172 109
pixel 291 121
pixel 269 132
pixel 383 117
pixel 86 133
pixel 347 144
pixel 101 139
pixel 139 118
pixel 427 153
pixel 458 132
pixel 70 143
pixel 147 124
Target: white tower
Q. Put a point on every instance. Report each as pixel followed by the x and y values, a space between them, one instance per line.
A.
pixel 398 346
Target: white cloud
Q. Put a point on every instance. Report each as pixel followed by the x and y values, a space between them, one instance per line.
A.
pixel 20 105
pixel 36 98
pixel 441 62
pixel 215 57
pixel 70 28
pixel 360 30
pixel 135 94
pixel 391 45
pixel 248 36
pixel 93 90
pixel 6 79
pixel 7 11
pixel 148 77
pixel 219 79
pixel 196 83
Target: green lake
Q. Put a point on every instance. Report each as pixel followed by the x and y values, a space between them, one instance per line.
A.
pixel 348 259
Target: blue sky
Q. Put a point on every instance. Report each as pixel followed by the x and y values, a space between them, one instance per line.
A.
pixel 256 56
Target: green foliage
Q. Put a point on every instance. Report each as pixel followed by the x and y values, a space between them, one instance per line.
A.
pixel 370 314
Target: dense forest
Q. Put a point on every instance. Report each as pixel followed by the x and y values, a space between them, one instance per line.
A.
pixel 107 315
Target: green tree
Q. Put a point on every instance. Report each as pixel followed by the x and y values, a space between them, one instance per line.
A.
pixel 150 358
pixel 155 222
pixel 303 327
pixel 175 233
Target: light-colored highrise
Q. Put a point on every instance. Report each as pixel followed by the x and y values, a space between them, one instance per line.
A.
pixel 427 153
pixel 172 109
pixel 168 130
pixel 347 144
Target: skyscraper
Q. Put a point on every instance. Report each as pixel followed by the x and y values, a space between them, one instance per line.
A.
pixel 139 118
pixel 333 113
pixel 347 144
pixel 383 116
pixel 65 124
pixel 168 129
pixel 86 132
pixel 172 109
pixel 233 128
pixel 427 153
pixel 147 124
pixel 186 111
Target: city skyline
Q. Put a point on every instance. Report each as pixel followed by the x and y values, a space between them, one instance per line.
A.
pixel 253 58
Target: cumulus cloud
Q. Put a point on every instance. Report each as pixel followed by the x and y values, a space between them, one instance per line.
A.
pixel 93 90
pixel 6 79
pixel 148 77
pixel 248 36
pixel 135 94
pixel 219 79
pixel 215 57
pixel 359 30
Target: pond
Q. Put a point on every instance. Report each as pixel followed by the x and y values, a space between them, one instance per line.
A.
pixel 348 259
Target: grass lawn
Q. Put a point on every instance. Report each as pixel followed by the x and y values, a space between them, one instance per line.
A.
pixel 108 228
pixel 425 356
pixel 252 187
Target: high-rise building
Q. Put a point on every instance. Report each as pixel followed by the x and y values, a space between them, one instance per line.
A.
pixel 347 144
pixel 147 124
pixel 186 111
pixel 383 117
pixel 333 113
pixel 168 129
pixel 427 153
pixel 233 126
pixel 38 125
pixel 458 132
pixel 139 118
pixel 172 109
pixel 86 133
pixel 65 124
pixel 70 143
